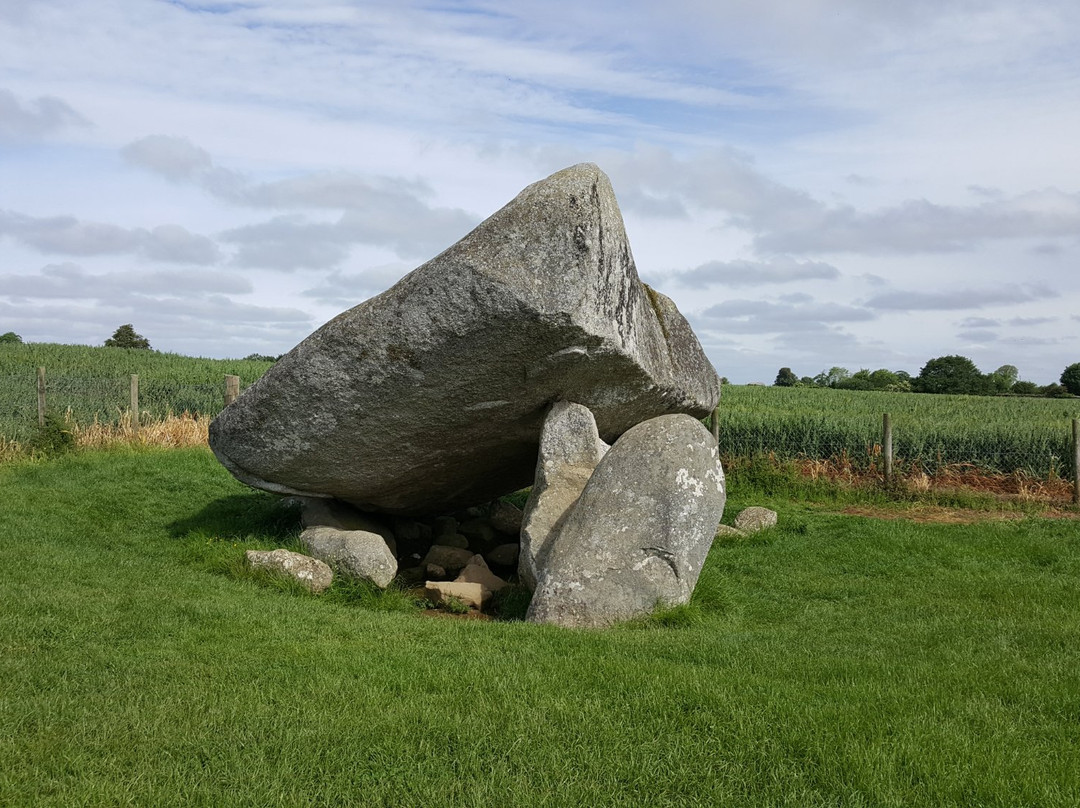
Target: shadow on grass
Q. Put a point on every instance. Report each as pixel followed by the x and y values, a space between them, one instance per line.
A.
pixel 253 515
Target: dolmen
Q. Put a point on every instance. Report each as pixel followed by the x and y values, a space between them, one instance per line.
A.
pixel 516 357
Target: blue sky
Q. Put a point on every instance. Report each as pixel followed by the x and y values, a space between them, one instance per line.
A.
pixel 864 184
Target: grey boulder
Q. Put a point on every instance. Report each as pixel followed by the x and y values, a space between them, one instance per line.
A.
pixel 314 575
pixel 638 535
pixel 430 397
pixel 353 553
pixel 570 448
pixel 754 518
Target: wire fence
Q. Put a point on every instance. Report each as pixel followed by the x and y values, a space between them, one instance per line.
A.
pixel 107 400
pixel 1038 451
pixel 1034 447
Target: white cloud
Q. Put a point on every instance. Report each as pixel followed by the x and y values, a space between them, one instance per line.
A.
pixel 67 235
pixel 754 273
pixel 35 119
pixel 957 299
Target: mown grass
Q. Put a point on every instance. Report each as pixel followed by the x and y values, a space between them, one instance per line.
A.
pixel 830 661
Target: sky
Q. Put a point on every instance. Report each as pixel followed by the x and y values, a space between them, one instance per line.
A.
pixel 854 183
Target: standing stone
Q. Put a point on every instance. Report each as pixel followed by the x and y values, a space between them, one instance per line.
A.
pixel 570 448
pixel 430 397
pixel 353 553
pixel 313 574
pixel 639 533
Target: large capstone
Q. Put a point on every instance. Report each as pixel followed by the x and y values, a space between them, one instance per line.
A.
pixel 431 396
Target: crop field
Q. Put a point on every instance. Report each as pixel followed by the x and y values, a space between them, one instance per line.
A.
pixel 998 434
pixel 1003 434
pixel 94 383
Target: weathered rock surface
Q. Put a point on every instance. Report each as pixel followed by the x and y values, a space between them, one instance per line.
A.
pixel 342 516
pixel 505 555
pixel 451 559
pixel 506 518
pixel 477 572
pixel 315 575
pixel 727 530
pixel 354 553
pixel 471 594
pixel 753 519
pixel 639 533
pixel 570 448
pixel 431 396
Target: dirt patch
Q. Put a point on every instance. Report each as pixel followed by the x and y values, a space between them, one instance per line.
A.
pixel 952 516
pixel 933 513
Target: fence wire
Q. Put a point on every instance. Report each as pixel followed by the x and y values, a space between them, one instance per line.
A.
pixel 919 443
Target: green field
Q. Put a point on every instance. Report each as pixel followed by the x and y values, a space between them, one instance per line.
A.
pixel 834 661
pixel 94 382
pixel 995 433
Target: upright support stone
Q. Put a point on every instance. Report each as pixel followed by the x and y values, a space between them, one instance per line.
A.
pixel 135 402
pixel 232 389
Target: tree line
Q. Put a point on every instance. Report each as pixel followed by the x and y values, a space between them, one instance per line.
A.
pixel 944 374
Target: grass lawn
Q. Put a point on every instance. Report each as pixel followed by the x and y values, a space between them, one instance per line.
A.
pixel 834 661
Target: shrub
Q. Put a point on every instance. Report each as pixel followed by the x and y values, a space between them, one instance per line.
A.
pixel 52 438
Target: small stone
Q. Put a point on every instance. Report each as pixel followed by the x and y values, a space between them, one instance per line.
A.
pixel 479 532
pixel 443 526
pixel 451 559
pixel 411 531
pixel 506 518
pixel 411 576
pixel 315 575
pixel 753 519
pixel 454 540
pixel 477 572
pixel 434 572
pixel 354 553
pixel 318 512
pixel 728 530
pixel 505 555
pixel 471 594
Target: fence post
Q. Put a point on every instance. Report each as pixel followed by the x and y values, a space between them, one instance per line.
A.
pixel 886 446
pixel 41 396
pixel 1076 460
pixel 135 402
pixel 232 389
pixel 715 424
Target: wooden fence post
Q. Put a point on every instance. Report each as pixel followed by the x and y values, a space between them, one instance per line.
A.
pixel 1076 460
pixel 135 402
pixel 232 389
pixel 41 396
pixel 886 446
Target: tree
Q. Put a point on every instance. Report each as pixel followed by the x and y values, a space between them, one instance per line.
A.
pixel 1004 378
pixel 10 338
pixel 952 374
pixel 1070 378
pixel 125 337
pixel 785 378
pixel 1023 388
pixel 832 378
